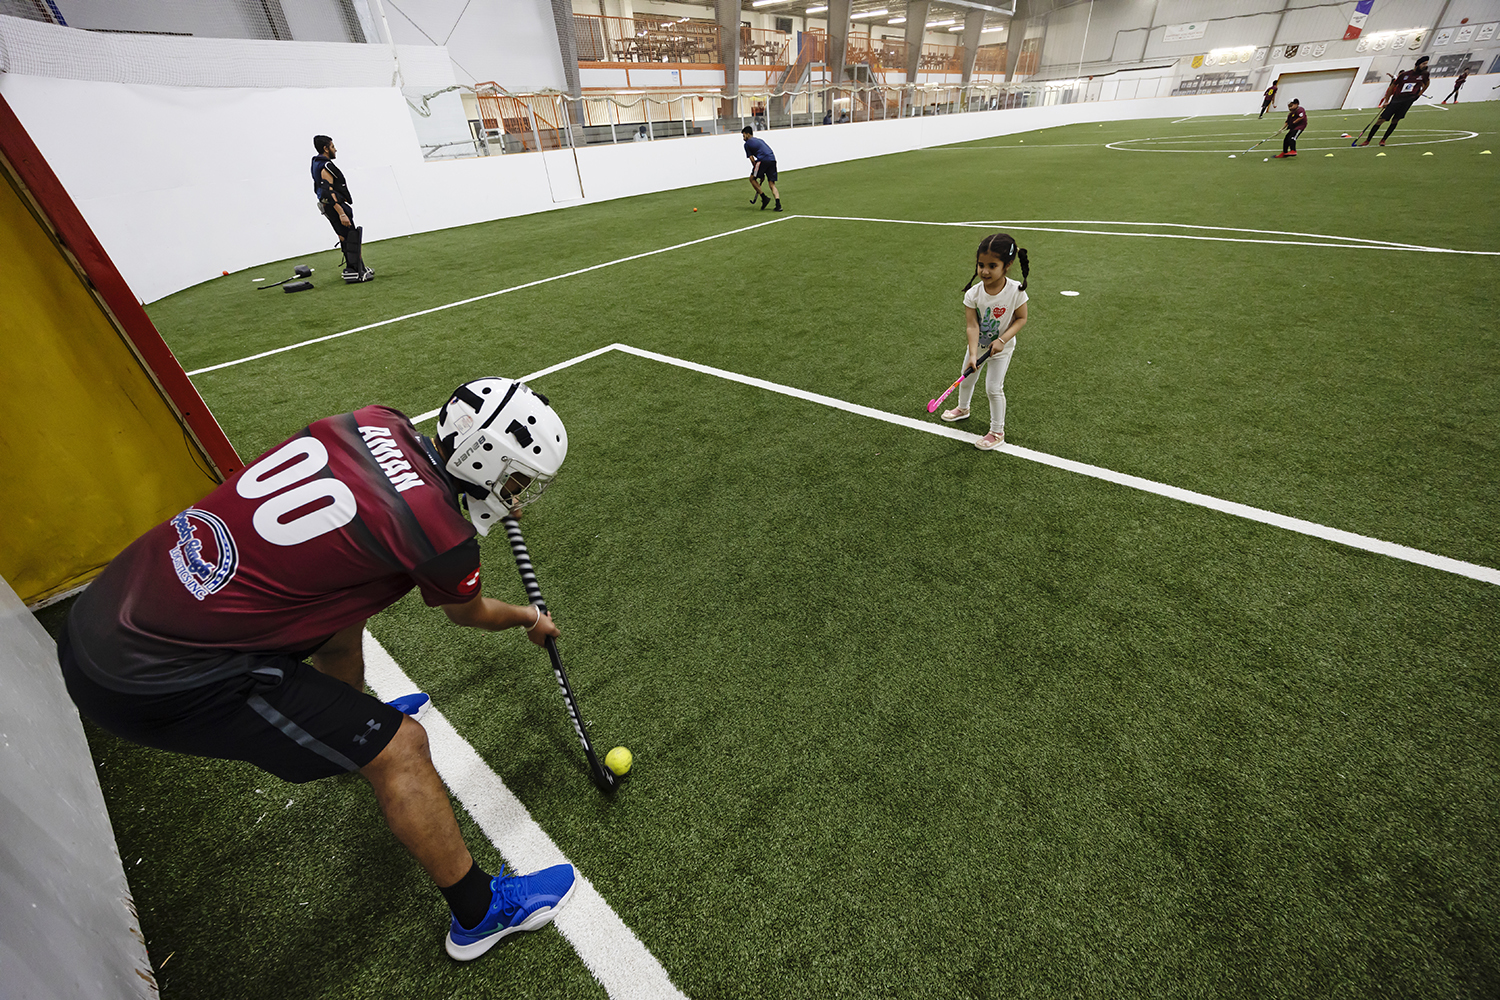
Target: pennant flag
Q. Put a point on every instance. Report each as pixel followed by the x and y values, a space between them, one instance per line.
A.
pixel 1357 22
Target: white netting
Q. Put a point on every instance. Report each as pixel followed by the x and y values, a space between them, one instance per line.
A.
pixel 34 48
pixel 270 20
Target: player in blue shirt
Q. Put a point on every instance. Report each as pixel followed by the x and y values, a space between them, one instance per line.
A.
pixel 762 167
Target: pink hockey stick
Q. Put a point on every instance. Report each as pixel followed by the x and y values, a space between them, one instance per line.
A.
pixel 932 405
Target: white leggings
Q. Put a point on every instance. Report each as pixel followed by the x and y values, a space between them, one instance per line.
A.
pixel 994 385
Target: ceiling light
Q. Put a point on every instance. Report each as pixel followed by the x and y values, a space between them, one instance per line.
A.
pixel 998 27
pixel 766 3
pixel 896 20
pixel 817 10
pixel 959 28
pixel 942 24
pixel 870 13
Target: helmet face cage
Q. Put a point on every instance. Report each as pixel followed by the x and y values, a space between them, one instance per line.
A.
pixel 494 429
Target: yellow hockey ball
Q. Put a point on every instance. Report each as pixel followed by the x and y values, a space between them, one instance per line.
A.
pixel 618 760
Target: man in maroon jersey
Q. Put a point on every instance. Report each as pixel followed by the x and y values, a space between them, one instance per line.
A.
pixel 1295 125
pixel 194 638
pixel 1408 86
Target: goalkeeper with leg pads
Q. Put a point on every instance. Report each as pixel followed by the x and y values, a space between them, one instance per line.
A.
pixel 336 204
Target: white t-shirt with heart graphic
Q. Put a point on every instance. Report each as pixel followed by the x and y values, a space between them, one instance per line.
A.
pixel 996 312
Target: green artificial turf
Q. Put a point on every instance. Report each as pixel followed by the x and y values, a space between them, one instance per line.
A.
pixel 909 719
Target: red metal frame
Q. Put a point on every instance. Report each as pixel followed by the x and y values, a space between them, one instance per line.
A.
pixel 109 286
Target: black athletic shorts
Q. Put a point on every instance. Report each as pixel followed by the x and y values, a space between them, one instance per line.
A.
pixel 1397 109
pixel 765 170
pixel 285 717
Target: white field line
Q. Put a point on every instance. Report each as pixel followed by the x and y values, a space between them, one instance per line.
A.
pixel 610 950
pixel 1348 242
pixel 1028 145
pixel 1364 543
pixel 424 417
pixel 1186 225
pixel 1123 145
pixel 480 298
pixel 1351 243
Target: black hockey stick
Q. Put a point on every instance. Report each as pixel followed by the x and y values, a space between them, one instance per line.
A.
pixel 298 272
pixel 603 776
pixel 1371 128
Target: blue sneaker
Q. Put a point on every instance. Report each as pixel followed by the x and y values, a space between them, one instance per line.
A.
pixel 518 903
pixel 414 705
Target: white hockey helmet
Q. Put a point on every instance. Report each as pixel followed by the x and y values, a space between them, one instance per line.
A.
pixel 505 445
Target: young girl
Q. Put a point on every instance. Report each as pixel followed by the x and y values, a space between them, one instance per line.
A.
pixel 996 310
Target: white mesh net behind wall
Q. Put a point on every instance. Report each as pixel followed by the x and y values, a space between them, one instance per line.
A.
pixel 35 48
pixel 270 20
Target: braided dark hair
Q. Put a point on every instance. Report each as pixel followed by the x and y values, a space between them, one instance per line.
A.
pixel 1002 245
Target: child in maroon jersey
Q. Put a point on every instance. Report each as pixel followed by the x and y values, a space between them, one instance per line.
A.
pixel 1269 98
pixel 1295 125
pixel 234 630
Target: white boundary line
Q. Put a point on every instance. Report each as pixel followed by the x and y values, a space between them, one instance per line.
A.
pixel 480 298
pixel 1348 242
pixel 1365 543
pixel 618 960
pixel 1032 227
pixel 1119 144
pixel 1185 225
pixel 1018 145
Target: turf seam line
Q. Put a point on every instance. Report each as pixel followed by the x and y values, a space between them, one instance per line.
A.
pixel 1406 553
pixel 480 298
pixel 608 947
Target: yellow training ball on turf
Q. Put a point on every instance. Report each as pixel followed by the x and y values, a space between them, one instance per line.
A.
pixel 618 760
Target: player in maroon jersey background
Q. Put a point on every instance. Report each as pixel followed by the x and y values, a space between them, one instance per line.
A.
pixel 234 630
pixel 1408 86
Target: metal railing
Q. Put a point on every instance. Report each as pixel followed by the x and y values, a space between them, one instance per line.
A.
pixel 645 38
pixel 761 47
pixel 510 123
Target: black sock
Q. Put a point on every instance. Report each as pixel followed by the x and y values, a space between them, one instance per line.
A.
pixel 469 897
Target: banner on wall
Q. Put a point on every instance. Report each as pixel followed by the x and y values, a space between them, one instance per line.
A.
pixel 1185 32
pixel 1486 31
pixel 1358 19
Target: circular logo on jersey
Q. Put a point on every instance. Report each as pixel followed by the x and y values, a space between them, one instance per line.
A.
pixel 205 556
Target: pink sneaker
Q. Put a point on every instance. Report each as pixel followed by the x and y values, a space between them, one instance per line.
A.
pixel 990 441
pixel 957 413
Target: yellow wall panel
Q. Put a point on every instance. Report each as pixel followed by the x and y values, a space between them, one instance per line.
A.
pixel 93 455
